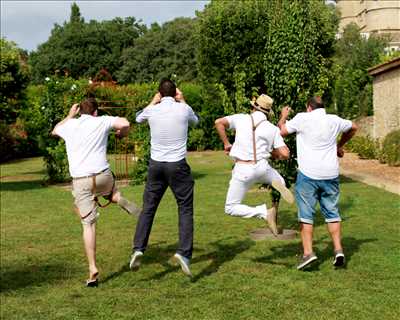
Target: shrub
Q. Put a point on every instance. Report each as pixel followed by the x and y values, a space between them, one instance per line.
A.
pixel 391 149
pixel 49 103
pixel 365 147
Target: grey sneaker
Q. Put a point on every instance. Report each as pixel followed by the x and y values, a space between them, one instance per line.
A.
pixel 271 220
pixel 306 261
pixel 285 192
pixel 129 207
pixel 183 262
pixel 339 259
pixel 136 257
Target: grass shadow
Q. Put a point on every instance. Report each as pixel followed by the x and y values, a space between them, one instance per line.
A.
pixel 21 185
pixel 32 275
pixel 223 254
pixel 351 245
pixel 344 179
pixel 198 175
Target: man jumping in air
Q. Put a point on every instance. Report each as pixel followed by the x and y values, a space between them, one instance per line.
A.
pixel 256 139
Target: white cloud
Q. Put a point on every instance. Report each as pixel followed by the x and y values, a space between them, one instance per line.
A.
pixel 29 23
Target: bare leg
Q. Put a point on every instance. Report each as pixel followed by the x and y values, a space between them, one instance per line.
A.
pixel 128 206
pixel 334 230
pixel 306 238
pixel 89 240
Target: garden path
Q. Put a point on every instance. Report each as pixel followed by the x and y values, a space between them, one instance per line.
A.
pixel 371 172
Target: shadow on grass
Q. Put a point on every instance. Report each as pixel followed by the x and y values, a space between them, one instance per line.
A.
pixel 223 253
pixel 33 275
pixel 344 179
pixel 281 253
pixel 198 175
pixel 21 185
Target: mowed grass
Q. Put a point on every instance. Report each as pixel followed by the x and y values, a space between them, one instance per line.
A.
pixel 43 265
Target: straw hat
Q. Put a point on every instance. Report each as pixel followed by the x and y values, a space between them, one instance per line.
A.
pixel 263 104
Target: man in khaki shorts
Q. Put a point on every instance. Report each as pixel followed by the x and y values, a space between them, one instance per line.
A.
pixel 86 142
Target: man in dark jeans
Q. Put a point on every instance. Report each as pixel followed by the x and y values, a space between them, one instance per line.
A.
pixel 168 116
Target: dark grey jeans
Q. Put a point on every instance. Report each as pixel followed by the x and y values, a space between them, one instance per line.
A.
pixel 178 177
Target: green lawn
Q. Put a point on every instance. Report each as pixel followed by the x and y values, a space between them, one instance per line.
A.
pixel 43 266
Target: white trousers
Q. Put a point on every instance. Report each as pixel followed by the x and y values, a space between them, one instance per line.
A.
pixel 244 176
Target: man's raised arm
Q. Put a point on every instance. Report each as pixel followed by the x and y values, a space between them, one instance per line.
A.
pixel 221 124
pixel 71 114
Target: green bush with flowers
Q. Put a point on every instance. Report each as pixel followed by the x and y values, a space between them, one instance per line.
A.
pixel 50 103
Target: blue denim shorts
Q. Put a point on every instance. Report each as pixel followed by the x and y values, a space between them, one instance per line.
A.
pixel 308 191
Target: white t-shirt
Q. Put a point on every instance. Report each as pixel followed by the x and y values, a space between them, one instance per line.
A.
pixel 267 136
pixel 86 141
pixel 168 121
pixel 316 134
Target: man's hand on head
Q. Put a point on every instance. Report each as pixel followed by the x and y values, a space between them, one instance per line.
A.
pixel 156 98
pixel 179 96
pixel 74 111
pixel 285 112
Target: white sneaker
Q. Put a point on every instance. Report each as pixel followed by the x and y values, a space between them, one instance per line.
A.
pixel 184 263
pixel 285 192
pixel 134 264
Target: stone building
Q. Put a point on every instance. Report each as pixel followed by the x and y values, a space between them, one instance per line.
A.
pixel 373 17
pixel 386 97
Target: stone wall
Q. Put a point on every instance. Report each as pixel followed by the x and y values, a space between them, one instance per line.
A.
pixel 386 100
pixel 365 126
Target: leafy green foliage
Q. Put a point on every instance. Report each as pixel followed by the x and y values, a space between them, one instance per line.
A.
pixel 81 49
pixel 391 149
pixel 282 48
pixel 165 51
pixel 364 146
pixel 14 77
pixel 354 55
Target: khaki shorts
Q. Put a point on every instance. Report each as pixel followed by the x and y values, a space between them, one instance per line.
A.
pixel 82 190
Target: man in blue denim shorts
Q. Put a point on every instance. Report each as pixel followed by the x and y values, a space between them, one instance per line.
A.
pixel 318 171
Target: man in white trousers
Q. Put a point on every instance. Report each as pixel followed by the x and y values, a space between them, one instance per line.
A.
pixel 256 139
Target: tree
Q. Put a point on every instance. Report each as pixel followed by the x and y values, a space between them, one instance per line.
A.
pixel 14 77
pixel 279 47
pixel 163 51
pixel 81 49
pixel 353 86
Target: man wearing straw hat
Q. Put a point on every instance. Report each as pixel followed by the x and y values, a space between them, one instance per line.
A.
pixel 86 142
pixel 256 139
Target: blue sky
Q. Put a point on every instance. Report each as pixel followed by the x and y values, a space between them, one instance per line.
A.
pixel 29 23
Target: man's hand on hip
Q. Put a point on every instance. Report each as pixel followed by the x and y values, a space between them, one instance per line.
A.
pixel 340 152
pixel 227 148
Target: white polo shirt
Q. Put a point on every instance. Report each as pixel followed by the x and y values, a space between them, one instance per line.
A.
pixel 86 141
pixel 168 121
pixel 267 136
pixel 316 134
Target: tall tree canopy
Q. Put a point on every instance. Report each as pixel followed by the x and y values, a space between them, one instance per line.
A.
pixel 80 49
pixel 354 55
pixel 161 52
pixel 14 77
pixel 281 47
